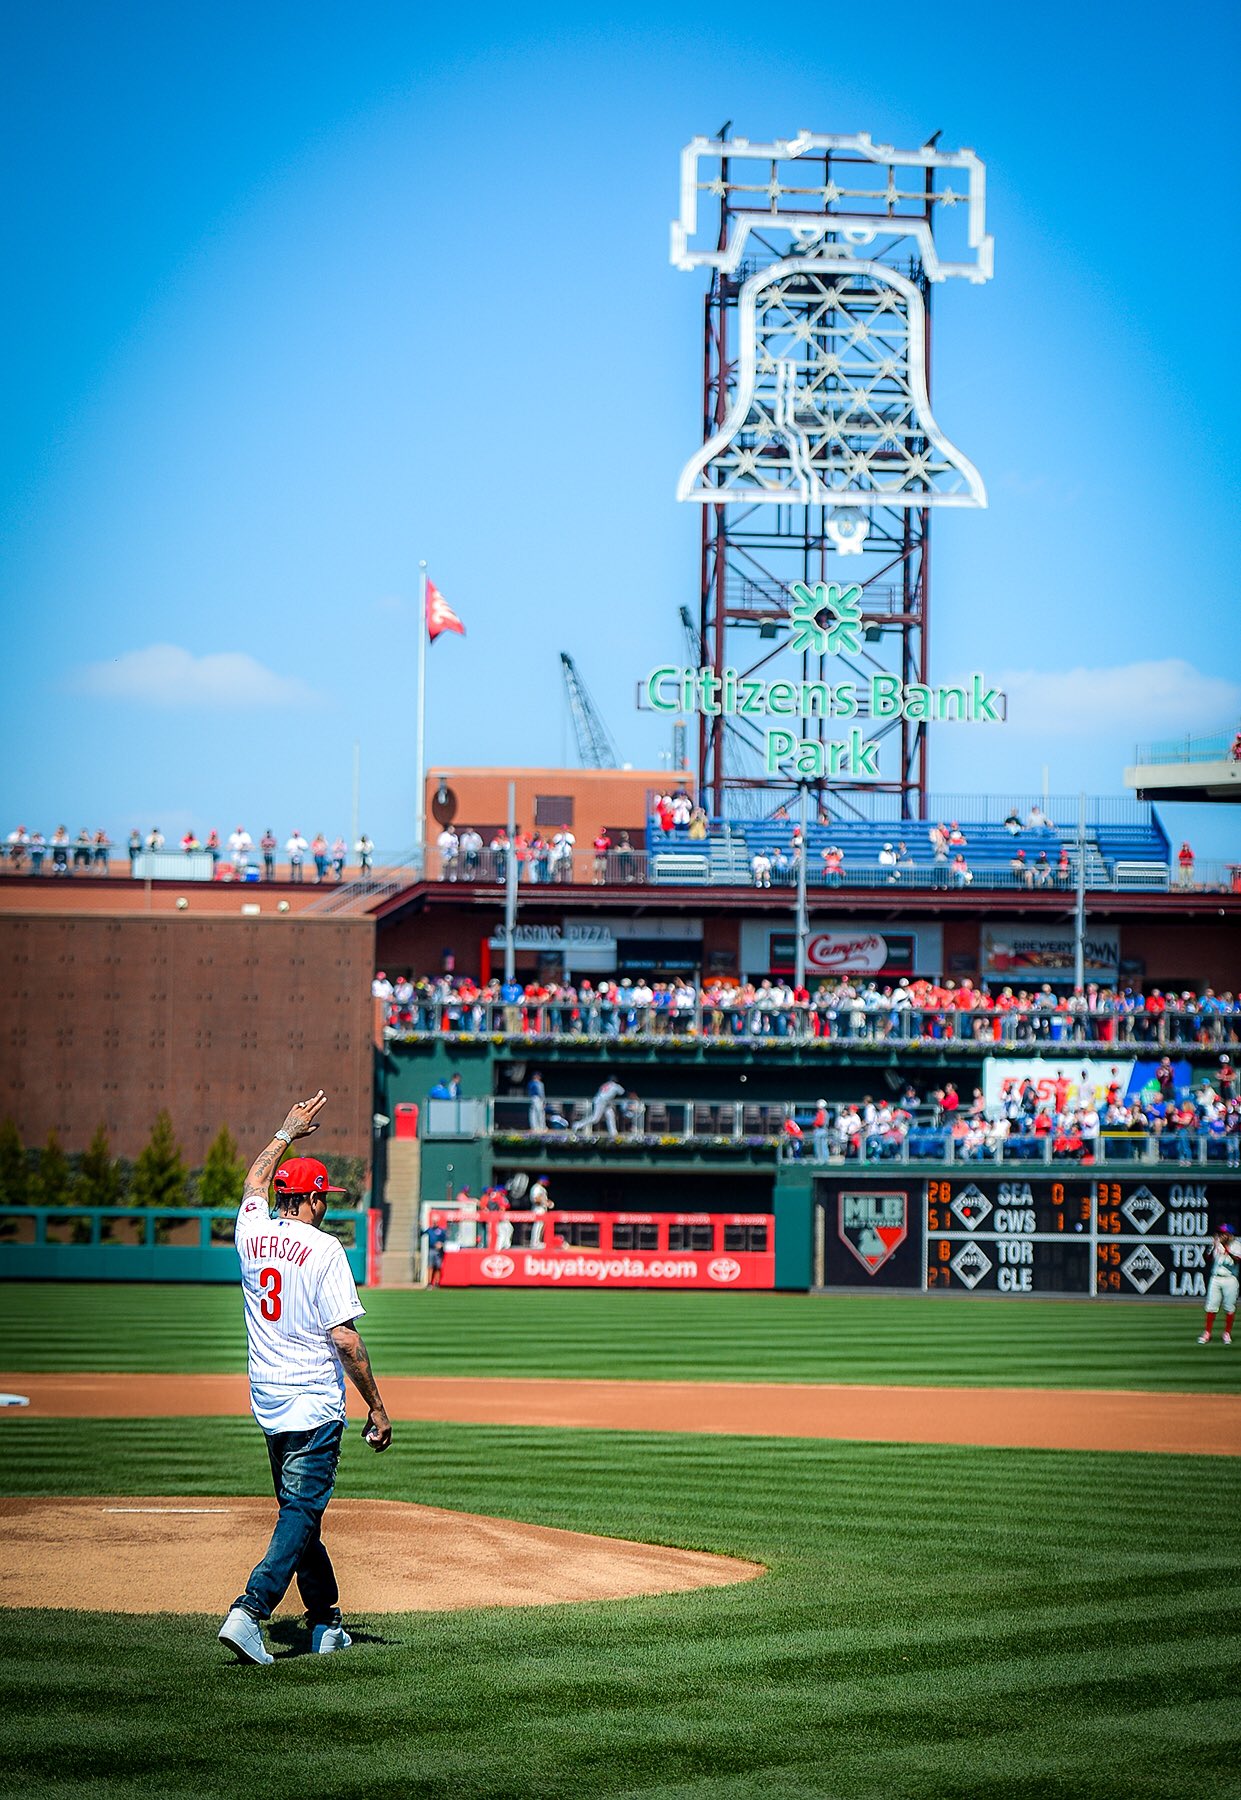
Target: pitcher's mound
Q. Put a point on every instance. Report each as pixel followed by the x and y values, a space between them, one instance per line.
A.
pixel 142 1555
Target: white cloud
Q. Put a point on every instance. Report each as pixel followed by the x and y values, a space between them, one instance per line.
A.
pixel 1142 699
pixel 168 676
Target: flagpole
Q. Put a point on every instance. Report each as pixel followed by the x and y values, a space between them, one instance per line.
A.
pixel 420 802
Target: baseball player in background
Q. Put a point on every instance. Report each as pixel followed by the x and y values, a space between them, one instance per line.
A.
pixel 300 1303
pixel 1224 1257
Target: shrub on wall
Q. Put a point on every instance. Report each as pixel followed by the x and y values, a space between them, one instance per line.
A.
pixel 159 1178
pixel 52 1183
pixel 160 1175
pixel 223 1174
pixel 100 1181
pixel 14 1176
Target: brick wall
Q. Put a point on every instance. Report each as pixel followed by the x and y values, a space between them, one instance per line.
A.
pixel 221 1020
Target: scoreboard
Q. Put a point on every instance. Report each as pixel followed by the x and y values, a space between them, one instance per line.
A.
pixel 996 1232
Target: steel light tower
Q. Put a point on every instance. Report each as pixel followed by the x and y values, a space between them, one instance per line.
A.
pixel 819 442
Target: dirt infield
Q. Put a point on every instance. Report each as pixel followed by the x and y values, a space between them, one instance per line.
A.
pixel 1006 1418
pixel 190 1555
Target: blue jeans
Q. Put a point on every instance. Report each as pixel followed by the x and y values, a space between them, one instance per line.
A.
pixel 303 1470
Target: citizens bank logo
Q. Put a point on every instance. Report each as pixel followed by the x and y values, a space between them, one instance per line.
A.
pixel 497 1268
pixel 724 1268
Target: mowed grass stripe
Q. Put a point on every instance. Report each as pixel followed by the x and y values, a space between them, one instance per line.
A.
pixel 936 1622
pixel 877 1339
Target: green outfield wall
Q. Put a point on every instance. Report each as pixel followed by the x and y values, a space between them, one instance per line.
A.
pixel 88 1243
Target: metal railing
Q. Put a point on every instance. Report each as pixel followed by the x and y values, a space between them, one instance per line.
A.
pixel 1184 1149
pixel 719 861
pixel 681 861
pixel 629 1122
pixel 686 861
pixel 823 1022
pixel 1215 748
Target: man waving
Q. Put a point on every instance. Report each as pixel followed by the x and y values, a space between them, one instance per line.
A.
pixel 301 1304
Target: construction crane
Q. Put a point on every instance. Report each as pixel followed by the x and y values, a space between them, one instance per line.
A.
pixel 595 749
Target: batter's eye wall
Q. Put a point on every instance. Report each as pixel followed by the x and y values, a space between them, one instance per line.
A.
pixel 223 1021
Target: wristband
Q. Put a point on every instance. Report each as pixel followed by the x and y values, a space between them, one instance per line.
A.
pixel 284 1137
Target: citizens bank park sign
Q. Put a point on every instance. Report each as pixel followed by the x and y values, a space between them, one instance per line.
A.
pixel 826 620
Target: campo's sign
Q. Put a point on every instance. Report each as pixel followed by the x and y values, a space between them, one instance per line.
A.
pixel 846 953
pixel 826 620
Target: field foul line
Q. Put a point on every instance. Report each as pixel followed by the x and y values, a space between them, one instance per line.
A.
pixel 215 1511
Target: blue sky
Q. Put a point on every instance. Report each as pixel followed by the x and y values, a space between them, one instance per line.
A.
pixel 300 294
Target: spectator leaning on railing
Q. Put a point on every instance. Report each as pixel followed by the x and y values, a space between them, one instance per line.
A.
pixel 845 1010
pixel 90 852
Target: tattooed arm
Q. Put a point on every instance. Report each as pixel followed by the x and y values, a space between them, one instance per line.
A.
pixel 357 1366
pixel 299 1123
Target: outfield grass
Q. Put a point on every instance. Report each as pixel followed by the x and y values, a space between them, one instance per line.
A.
pixel 944 1341
pixel 937 1624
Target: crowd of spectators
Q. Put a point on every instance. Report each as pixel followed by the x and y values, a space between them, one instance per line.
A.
pixel 948 847
pixel 239 858
pixel 1065 1118
pixel 1066 1115
pixel 675 815
pixel 851 1010
pixel 462 855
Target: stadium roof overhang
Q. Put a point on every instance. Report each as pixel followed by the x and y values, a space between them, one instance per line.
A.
pixel 545 901
pixel 1186 781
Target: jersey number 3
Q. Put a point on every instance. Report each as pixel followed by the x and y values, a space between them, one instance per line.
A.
pixel 269 1281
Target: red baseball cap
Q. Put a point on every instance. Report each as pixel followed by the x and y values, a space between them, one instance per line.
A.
pixel 304 1175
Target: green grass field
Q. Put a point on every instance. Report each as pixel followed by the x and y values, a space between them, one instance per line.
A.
pixel 948 1341
pixel 936 1624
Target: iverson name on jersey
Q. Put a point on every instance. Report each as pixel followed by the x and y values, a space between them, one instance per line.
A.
pixel 283 1247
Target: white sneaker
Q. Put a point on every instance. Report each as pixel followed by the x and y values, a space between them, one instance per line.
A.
pixel 242 1635
pixel 1206 1338
pixel 1228 1337
pixel 326 1638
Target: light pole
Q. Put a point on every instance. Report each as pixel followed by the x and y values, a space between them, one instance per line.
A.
pixel 510 887
pixel 420 771
pixel 803 916
pixel 1079 913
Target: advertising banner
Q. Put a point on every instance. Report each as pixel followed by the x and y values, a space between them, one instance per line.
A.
pixel 870 949
pixel 569 1248
pixel 846 952
pixel 1036 953
pixel 574 1268
pixel 1088 1078
pixel 374 1246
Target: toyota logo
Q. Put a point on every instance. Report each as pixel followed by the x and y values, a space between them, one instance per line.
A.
pixel 497 1268
pixel 724 1268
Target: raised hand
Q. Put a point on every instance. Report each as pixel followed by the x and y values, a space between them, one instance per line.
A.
pixel 302 1117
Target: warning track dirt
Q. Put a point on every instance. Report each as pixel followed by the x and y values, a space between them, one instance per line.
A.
pixel 1004 1418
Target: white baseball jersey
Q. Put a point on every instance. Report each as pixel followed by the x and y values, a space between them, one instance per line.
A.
pixel 1222 1287
pixel 297 1284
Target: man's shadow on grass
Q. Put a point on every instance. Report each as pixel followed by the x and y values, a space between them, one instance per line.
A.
pixel 291 1637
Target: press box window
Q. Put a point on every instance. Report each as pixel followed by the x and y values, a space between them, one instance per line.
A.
pixel 689 1237
pixel 635 1237
pixel 583 1234
pixel 745 1237
pixel 553 809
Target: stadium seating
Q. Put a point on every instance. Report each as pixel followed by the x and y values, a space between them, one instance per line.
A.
pixel 1135 853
